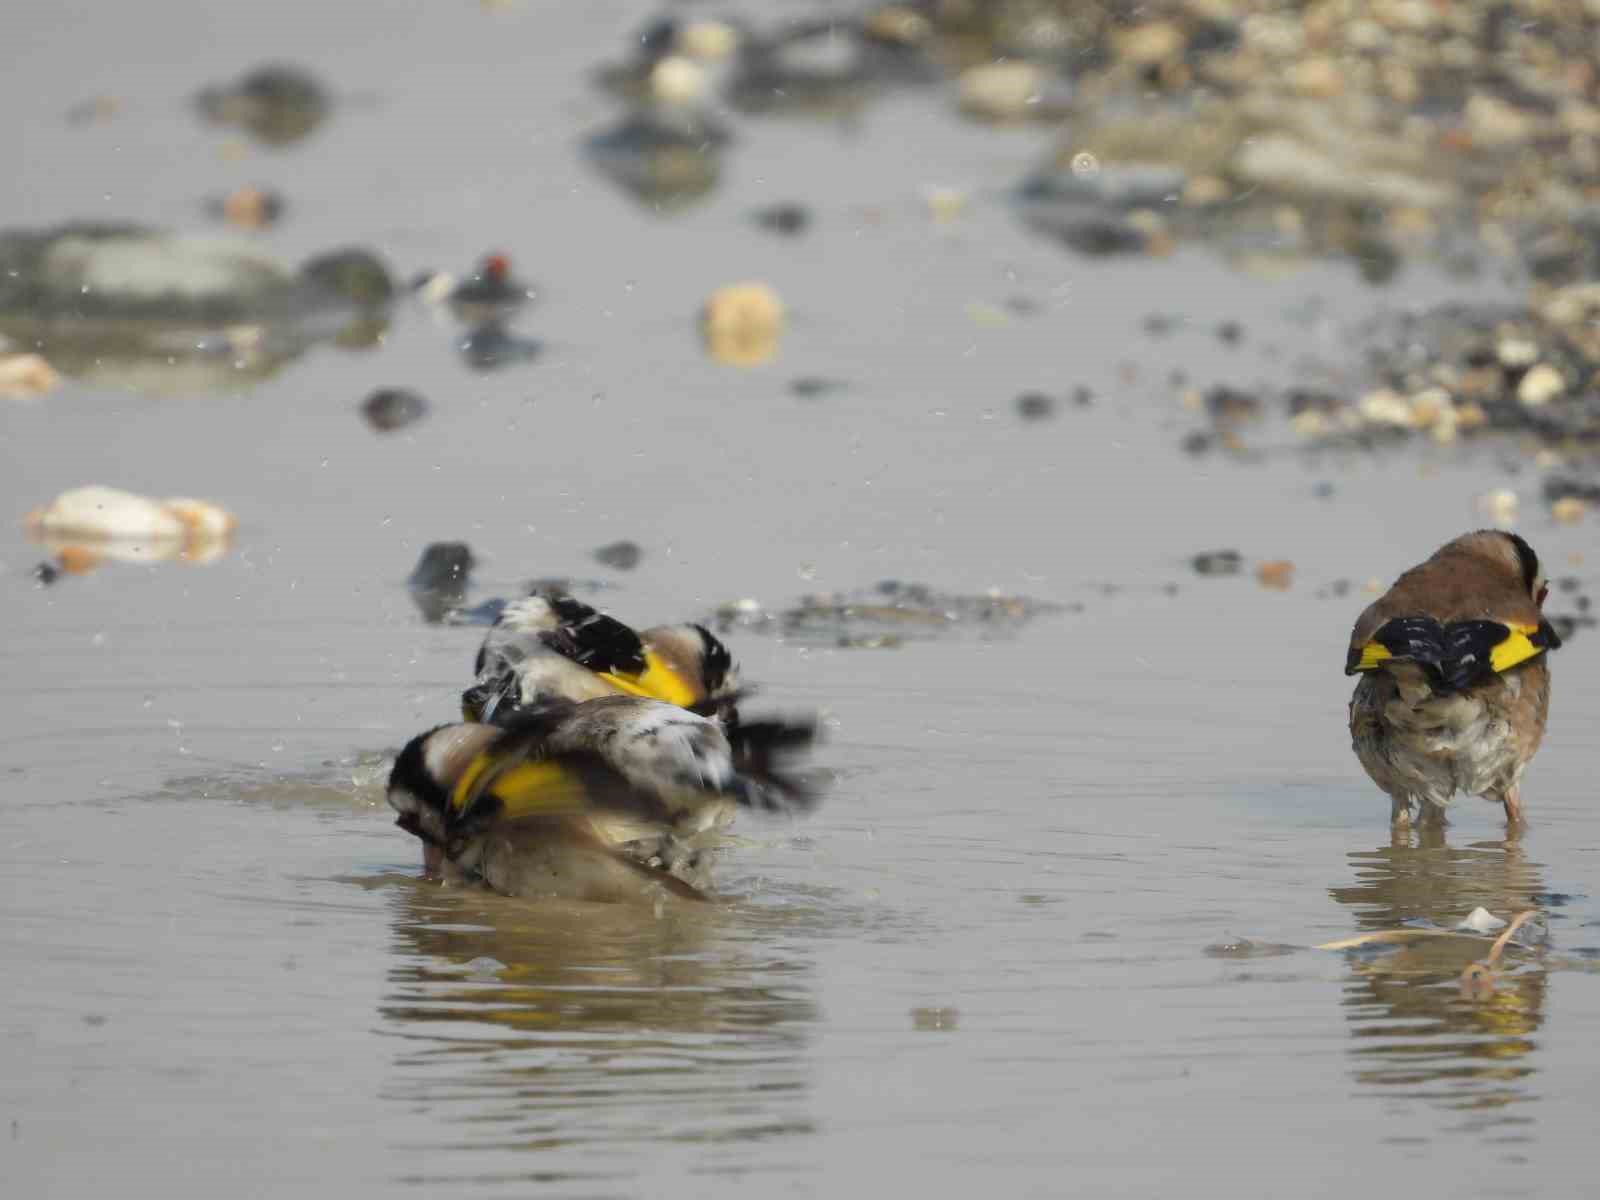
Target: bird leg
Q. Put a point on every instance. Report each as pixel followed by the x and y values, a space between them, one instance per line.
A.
pixel 1513 802
pixel 1400 811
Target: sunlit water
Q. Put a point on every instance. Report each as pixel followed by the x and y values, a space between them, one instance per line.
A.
pixel 1050 933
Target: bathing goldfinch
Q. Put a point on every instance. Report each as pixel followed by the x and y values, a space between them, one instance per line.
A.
pixel 554 647
pixel 1455 683
pixel 575 799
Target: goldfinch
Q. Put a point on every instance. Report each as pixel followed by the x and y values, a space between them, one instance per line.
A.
pixel 554 647
pixel 566 799
pixel 1455 687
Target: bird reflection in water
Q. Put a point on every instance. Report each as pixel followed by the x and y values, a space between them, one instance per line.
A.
pixel 596 1036
pixel 1419 1033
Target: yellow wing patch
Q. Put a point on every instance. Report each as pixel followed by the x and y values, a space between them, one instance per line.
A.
pixel 657 681
pixel 541 789
pixel 1516 647
pixel 1373 655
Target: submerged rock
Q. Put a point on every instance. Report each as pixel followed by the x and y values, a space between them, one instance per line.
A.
pixel 620 556
pixel 665 156
pixel 1035 406
pixel 790 220
pixel 159 311
pixel 1100 210
pixel 388 409
pixel 1217 562
pixel 278 104
pixel 816 67
pixel 438 583
pixel 887 615
pixel 492 345
pixel 816 387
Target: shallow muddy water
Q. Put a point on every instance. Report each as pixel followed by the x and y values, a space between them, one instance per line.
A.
pixel 1049 934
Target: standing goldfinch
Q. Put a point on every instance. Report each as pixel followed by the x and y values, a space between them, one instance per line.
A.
pixel 1455 686
pixel 574 800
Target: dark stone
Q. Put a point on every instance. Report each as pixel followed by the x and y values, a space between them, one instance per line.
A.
pixel 1035 406
pixel 1217 562
pixel 439 582
pixel 1230 333
pixel 789 220
pixel 388 409
pixel 814 387
pixel 357 275
pixel 620 556
pixel 1377 261
pixel 1089 233
pixel 46 574
pixel 278 104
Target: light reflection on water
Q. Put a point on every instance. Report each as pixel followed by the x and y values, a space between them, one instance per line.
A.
pixel 589 1039
pixel 1418 1036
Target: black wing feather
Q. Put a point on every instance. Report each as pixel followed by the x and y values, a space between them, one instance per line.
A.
pixel 1454 656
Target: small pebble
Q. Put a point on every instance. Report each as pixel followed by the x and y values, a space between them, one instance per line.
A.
pixel 388 409
pixel 790 220
pixel 934 1019
pixel 1009 90
pixel 741 324
pixel 1217 562
pixel 1230 333
pixel 1035 406
pixel 677 79
pixel 813 387
pixel 620 556
pixel 1516 352
pixel 1569 509
pixel 1542 384
pixel 442 565
pixel 250 208
pixel 1278 574
pixel 46 574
